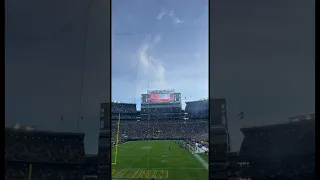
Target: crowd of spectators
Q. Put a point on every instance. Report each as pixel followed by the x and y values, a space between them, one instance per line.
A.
pixel 161 122
pixel 126 111
pixel 161 113
pixel 16 171
pixel 284 151
pixel 165 129
pixel 160 110
pixel 197 109
pixel 58 172
pixel 40 155
pixel 164 116
pixel 279 140
pixel 91 167
pixel 42 171
pixel 289 166
pixel 123 108
pixel 124 116
pixel 43 147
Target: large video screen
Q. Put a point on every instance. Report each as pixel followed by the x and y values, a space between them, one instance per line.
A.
pixel 158 98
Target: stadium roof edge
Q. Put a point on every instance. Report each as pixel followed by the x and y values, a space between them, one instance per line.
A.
pixel 274 125
pixel 45 132
pixel 118 103
pixel 201 100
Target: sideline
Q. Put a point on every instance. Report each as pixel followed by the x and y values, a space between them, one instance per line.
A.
pixel 203 162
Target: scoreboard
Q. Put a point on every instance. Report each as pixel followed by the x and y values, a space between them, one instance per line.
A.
pixel 160 97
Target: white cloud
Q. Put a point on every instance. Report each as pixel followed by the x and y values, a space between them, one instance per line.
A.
pixel 151 68
pixel 161 14
pixel 177 21
pixel 171 14
pixel 156 40
pixel 190 78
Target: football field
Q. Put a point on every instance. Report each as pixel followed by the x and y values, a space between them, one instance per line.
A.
pixel 138 160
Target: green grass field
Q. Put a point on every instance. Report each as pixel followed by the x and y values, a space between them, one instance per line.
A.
pixel 146 159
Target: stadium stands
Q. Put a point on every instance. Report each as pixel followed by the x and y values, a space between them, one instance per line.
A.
pixel 127 111
pixel 161 121
pixel 104 161
pixel 91 167
pixel 161 113
pixel 123 108
pixel 279 140
pixel 197 109
pixel 283 151
pixel 162 129
pixel 43 155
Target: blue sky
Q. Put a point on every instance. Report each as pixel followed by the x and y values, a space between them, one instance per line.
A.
pixel 262 55
pixel 159 45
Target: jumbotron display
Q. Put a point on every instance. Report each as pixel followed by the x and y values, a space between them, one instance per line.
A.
pixel 158 96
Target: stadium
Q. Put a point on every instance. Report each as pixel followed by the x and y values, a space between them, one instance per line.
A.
pixel 163 141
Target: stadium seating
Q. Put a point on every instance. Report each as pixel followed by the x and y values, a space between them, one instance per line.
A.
pixel 126 111
pixel 279 140
pixel 123 108
pixel 283 151
pixel 91 167
pixel 193 129
pixel 43 155
pixel 197 109
pixel 162 123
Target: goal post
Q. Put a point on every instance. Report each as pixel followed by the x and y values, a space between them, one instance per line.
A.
pixel 117 141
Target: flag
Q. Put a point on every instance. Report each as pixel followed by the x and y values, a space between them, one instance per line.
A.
pixel 240 115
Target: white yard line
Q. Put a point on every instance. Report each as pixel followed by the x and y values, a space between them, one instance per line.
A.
pixel 203 162
pixel 161 168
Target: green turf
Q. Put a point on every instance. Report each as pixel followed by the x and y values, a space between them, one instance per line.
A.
pixel 204 157
pixel 143 159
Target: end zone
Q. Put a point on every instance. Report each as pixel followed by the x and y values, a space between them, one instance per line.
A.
pixel 139 174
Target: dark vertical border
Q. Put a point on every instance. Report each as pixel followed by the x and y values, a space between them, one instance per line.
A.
pixel 316 107
pixel 104 157
pixel 217 126
pixel 4 79
pixel 209 85
pixel 110 68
